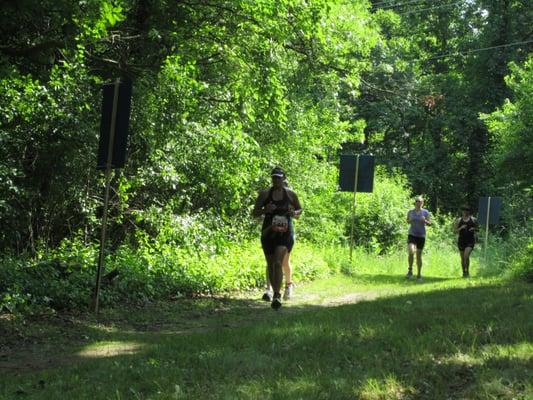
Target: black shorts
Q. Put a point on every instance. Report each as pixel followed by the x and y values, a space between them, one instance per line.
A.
pixel 271 241
pixel 462 245
pixel 419 241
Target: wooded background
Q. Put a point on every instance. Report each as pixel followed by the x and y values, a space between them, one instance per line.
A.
pixel 439 91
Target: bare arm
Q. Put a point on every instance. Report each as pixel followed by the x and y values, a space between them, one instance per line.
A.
pixel 296 206
pixel 456 228
pixel 259 209
pixel 475 228
pixel 427 220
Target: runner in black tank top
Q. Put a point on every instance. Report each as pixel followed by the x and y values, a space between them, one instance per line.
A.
pixel 466 227
pixel 467 236
pixel 282 208
pixel 276 242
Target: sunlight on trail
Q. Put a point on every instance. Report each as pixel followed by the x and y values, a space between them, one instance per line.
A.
pixel 110 349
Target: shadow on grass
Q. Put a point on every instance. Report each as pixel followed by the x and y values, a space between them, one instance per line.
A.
pixel 455 343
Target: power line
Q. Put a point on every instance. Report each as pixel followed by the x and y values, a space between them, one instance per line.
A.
pixel 457 53
pixel 448 55
pixel 397 4
pixel 430 8
pixel 420 9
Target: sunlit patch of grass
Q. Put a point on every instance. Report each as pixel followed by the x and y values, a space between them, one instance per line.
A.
pixel 110 349
pixel 302 386
pixel 366 332
pixel 389 387
pixel 517 351
pixel 461 358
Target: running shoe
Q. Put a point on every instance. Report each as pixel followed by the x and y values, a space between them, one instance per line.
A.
pixel 276 303
pixel 409 274
pixel 288 291
pixel 267 296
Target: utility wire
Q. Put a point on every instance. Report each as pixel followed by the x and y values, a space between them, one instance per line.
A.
pixel 430 8
pixel 457 53
pixel 449 55
pixel 395 5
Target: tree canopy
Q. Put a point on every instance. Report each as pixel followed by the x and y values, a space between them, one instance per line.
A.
pixel 226 89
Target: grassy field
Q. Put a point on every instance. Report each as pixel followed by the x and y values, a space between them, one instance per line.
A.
pixel 365 334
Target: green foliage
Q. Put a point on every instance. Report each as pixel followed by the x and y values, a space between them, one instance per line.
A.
pixel 47 140
pixel 379 222
pixel 424 93
pixel 47 286
pixel 521 264
pixel 223 91
pixel 153 270
pixel 512 129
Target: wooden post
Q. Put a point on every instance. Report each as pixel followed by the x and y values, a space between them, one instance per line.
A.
pixel 101 256
pixel 353 204
pixel 487 229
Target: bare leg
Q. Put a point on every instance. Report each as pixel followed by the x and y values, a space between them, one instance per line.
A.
pixel 268 285
pixel 411 249
pixel 287 268
pixel 267 277
pixel 462 254
pixel 287 271
pixel 276 271
pixel 418 263
pixel 466 257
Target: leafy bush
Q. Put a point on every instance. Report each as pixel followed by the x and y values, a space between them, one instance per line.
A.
pixel 324 206
pixel 29 287
pixel 521 265
pixel 65 278
pixel 379 222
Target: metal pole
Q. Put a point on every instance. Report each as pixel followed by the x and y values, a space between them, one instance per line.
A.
pixel 100 269
pixel 487 229
pixel 353 204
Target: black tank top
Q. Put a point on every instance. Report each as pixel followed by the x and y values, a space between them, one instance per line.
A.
pixel 282 208
pixel 465 235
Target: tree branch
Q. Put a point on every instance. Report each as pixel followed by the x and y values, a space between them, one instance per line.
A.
pixel 32 50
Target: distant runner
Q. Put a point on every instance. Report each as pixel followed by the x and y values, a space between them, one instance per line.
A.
pixel 466 227
pixel 418 218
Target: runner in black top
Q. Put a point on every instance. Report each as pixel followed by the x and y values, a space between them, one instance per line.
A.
pixel 278 205
pixel 286 266
pixel 466 226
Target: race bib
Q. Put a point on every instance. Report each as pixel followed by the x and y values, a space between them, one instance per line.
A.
pixel 280 223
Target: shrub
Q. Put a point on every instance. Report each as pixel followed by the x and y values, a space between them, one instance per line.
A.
pixel 521 265
pixel 379 222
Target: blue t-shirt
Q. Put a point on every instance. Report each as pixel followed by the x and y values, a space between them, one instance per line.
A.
pixel 418 227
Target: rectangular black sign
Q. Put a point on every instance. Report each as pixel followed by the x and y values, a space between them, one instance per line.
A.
pixel 365 178
pixel 120 133
pixel 494 211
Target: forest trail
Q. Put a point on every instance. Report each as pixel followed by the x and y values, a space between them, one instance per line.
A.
pixel 54 341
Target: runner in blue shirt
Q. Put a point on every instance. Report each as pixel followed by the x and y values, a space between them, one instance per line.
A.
pixel 417 218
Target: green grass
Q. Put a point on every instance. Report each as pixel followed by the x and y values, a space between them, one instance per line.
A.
pixel 368 334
